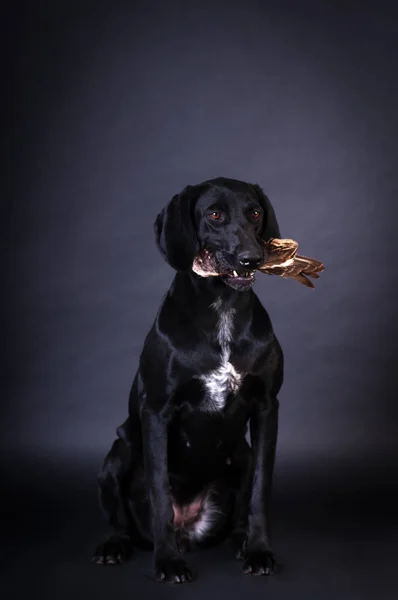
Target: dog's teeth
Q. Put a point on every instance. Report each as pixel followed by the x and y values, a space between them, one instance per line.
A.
pixel 235 273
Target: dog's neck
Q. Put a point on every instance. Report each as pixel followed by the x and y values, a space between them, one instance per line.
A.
pixel 211 292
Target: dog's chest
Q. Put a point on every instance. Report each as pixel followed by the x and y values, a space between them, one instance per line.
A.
pixel 224 379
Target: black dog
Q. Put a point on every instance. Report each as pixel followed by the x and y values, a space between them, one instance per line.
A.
pixel 181 473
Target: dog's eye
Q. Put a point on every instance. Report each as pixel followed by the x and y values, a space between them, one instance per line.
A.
pixel 256 214
pixel 216 215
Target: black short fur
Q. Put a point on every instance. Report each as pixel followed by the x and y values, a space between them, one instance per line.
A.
pixel 180 473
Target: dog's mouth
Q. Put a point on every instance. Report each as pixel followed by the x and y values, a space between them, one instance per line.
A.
pixel 245 277
pixel 206 265
pixel 238 281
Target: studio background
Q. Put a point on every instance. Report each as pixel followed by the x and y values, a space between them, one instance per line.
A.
pixel 112 110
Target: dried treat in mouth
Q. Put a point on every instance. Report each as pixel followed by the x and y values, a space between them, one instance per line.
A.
pixel 282 260
pixel 205 264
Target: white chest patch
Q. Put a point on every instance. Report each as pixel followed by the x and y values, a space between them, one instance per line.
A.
pixel 225 379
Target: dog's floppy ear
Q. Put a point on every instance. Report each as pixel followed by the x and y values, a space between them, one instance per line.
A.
pixel 270 226
pixel 175 230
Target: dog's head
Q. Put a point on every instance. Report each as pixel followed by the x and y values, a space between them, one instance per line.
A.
pixel 223 220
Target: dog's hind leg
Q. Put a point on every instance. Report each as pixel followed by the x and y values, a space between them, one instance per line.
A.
pixel 113 483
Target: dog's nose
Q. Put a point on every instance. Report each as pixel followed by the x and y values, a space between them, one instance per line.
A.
pixel 250 260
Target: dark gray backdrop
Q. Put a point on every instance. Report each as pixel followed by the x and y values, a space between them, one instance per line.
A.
pixel 115 109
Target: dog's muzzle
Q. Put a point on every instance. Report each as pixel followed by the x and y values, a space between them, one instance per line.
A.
pixel 207 264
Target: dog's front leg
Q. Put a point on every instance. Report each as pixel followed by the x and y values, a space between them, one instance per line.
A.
pixel 169 565
pixel 257 551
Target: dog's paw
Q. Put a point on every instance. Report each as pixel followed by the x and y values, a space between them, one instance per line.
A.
pixel 115 550
pixel 260 562
pixel 172 571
